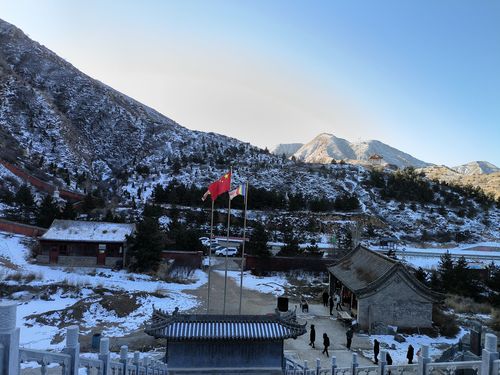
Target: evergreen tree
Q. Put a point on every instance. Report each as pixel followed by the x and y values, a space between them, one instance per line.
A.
pixel 47 212
pixel 88 203
pixel 68 212
pixel 421 275
pixel 291 247
pixel 446 272
pixel 257 245
pixel 146 246
pixel 26 203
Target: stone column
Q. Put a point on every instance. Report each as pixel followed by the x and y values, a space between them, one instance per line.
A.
pixel 104 355
pixel 423 360
pixel 137 362
pixel 124 358
pixel 9 339
pixel 73 349
pixel 355 363
pixel 334 364
pixel 382 362
pixel 489 354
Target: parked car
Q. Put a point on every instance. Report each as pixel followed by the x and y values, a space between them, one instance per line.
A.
pixel 230 252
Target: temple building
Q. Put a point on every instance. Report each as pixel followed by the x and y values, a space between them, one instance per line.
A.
pixel 380 291
pixel 85 243
pixel 225 344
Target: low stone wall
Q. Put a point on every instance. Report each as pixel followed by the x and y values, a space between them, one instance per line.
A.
pixel 314 264
pixel 43 259
pixel 78 261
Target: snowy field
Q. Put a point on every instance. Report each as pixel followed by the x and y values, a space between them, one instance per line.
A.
pixel 83 296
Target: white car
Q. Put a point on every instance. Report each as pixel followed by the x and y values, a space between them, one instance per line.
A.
pixel 230 252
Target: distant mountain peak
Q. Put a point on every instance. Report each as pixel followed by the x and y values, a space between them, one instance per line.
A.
pixel 476 167
pixel 326 146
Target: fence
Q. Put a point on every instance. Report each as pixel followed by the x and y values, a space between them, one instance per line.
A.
pixel 488 365
pixel 69 361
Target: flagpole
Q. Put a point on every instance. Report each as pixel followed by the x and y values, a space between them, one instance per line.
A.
pixel 227 244
pixel 210 255
pixel 243 246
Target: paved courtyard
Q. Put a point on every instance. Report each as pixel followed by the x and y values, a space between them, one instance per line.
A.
pixel 299 349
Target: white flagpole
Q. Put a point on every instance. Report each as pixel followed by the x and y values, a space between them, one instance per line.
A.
pixel 227 244
pixel 243 246
pixel 210 254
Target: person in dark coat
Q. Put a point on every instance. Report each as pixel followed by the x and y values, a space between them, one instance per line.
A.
pixel 409 354
pixel 326 344
pixel 388 359
pixel 325 298
pixel 376 349
pixel 312 336
pixel 349 333
pixel 331 304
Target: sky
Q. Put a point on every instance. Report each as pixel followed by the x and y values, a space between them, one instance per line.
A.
pixel 422 76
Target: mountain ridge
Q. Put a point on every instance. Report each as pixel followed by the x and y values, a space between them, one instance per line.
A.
pixel 325 147
pixel 78 133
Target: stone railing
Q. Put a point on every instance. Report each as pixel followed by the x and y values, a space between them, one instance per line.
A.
pixel 488 365
pixel 69 360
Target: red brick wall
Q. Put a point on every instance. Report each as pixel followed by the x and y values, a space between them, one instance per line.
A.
pixel 316 264
pixel 184 258
pixel 42 185
pixel 23 229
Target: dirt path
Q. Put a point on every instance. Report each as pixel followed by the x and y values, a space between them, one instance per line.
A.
pixel 252 302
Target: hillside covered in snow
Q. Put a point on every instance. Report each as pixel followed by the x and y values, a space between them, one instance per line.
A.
pixel 66 128
pixel 325 147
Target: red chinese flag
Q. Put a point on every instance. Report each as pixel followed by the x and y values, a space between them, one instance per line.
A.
pixel 220 186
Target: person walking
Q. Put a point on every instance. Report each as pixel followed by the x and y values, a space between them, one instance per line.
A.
pixel 376 349
pixel 349 333
pixel 325 298
pixel 388 359
pixel 326 344
pixel 312 336
pixel 338 305
pixel 409 354
pixel 330 303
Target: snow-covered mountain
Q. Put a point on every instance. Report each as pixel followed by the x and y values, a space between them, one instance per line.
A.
pixel 287 149
pixel 78 133
pixel 477 167
pixel 325 147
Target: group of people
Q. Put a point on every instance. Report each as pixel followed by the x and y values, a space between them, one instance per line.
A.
pixel 312 339
pixel 376 350
pixel 331 301
pixel 326 340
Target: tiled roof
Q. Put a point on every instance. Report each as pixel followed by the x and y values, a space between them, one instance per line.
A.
pixel 88 231
pixel 225 327
pixel 361 267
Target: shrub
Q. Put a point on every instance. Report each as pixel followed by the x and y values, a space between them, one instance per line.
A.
pixel 467 305
pixel 446 323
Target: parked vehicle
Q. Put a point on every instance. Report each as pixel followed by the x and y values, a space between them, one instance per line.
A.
pixel 230 252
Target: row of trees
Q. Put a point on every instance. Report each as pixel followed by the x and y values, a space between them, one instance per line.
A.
pixel 179 194
pixel 456 277
pixel 27 210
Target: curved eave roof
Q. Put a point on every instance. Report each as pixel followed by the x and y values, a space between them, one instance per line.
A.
pixel 363 271
pixel 226 327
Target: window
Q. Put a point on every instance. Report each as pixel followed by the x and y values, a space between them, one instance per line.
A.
pixel 102 248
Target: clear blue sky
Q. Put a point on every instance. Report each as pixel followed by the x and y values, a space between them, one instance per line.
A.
pixel 422 75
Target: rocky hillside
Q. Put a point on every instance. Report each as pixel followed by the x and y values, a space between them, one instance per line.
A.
pixel 325 147
pixel 477 167
pixel 489 182
pixel 67 128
